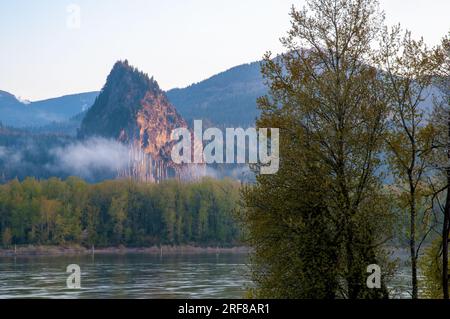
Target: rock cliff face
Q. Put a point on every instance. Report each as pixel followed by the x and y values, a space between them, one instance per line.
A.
pixel 132 109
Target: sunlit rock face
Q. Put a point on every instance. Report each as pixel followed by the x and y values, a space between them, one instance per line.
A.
pixel 156 120
pixel 133 109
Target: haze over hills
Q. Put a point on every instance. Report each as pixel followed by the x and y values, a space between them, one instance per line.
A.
pixel 65 107
pixel 16 113
pixel 13 112
pixel 125 129
pixel 225 99
pixel 126 133
pixel 40 137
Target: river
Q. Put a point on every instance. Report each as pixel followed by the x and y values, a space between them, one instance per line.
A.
pixel 205 275
pixel 126 276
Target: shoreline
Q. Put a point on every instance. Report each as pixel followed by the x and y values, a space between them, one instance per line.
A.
pixel 31 251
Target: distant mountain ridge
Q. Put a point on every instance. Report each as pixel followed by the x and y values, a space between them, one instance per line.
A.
pixel 16 113
pixel 67 106
pixel 225 99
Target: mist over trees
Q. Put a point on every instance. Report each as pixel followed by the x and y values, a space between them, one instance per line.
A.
pixel 45 155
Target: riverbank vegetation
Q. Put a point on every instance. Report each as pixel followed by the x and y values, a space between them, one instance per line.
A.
pixel 119 212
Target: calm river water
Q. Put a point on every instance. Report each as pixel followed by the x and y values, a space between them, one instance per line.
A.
pixel 126 276
pixel 140 276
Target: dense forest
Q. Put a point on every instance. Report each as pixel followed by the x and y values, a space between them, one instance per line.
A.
pixel 119 212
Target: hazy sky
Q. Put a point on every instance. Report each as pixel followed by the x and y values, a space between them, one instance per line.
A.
pixel 44 54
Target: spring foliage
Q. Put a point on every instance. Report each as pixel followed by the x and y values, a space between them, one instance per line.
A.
pixel 120 212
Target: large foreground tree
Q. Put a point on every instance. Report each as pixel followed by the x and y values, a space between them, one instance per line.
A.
pixel 319 222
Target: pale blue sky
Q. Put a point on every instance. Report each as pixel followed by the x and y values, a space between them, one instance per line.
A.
pixel 177 41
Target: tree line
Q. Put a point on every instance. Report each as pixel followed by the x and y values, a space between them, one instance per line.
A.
pixel 118 212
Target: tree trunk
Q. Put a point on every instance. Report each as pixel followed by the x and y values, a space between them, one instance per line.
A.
pixel 412 230
pixel 445 238
pixel 412 246
pixel 445 227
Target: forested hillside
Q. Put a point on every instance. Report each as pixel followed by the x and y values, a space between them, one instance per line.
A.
pixel 25 154
pixel 120 212
pixel 225 99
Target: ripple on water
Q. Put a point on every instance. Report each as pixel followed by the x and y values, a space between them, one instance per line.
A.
pixel 129 276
